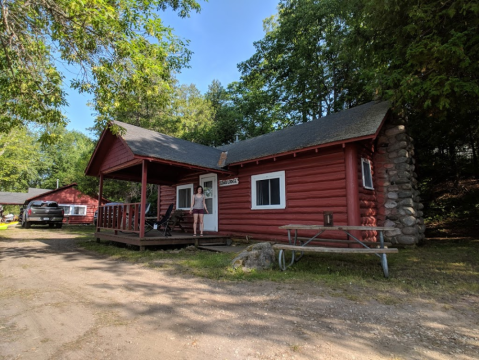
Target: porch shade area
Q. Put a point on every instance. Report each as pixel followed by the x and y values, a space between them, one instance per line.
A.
pixel 147 157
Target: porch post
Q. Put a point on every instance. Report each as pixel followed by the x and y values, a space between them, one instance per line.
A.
pixel 100 196
pixel 352 188
pixel 144 178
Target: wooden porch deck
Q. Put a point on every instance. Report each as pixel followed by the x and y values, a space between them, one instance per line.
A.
pixel 155 238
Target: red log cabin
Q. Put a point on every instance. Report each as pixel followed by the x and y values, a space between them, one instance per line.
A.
pixel 338 164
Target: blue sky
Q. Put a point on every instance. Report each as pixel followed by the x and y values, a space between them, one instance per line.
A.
pixel 221 36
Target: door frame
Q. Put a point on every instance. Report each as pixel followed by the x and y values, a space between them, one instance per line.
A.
pixel 215 198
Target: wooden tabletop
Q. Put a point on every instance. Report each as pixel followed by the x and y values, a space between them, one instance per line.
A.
pixel 344 228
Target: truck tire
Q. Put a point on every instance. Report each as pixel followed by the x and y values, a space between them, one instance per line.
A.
pixel 27 225
pixel 59 226
pixel 51 225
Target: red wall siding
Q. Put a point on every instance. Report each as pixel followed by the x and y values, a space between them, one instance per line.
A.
pixel 367 198
pixel 315 182
pixel 73 196
pixel 118 154
pixel 168 196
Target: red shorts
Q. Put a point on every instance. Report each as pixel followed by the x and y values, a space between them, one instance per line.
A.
pixel 198 211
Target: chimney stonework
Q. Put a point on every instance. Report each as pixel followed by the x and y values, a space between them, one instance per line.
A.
pixel 398 197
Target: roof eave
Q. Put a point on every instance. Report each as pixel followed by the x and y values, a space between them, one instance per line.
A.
pixel 180 164
pixel 51 191
pixel 309 148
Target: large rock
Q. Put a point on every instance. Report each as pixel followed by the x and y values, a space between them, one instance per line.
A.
pixel 258 256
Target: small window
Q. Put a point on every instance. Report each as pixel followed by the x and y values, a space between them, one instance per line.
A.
pixel 66 209
pixel 268 191
pixel 74 210
pixel 183 196
pixel 367 174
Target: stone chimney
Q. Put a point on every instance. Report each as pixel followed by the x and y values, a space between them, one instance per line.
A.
pixel 398 198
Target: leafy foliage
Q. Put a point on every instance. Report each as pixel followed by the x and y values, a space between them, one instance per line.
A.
pixel 121 47
pixel 20 164
pixel 302 68
pixel 319 57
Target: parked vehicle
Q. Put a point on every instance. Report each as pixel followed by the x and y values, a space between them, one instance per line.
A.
pixel 43 212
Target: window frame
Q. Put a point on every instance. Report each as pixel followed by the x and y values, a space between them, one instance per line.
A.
pixel 370 169
pixel 72 209
pixel 182 187
pixel 281 175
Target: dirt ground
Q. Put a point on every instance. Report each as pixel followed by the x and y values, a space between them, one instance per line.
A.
pixel 59 302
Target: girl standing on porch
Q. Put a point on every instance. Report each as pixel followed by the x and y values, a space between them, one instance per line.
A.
pixel 198 203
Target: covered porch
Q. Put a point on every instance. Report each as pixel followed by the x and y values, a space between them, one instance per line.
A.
pixel 147 158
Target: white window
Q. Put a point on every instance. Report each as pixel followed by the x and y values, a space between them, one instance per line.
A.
pixel 367 174
pixel 183 196
pixel 268 191
pixel 73 210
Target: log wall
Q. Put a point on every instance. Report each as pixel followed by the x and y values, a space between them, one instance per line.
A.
pixel 315 183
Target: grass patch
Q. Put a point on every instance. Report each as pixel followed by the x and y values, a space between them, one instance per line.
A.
pixel 441 269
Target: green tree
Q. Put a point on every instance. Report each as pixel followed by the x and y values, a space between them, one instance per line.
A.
pixel 64 159
pixel 192 113
pixel 226 118
pixel 424 57
pixel 120 47
pixel 302 69
pixel 19 160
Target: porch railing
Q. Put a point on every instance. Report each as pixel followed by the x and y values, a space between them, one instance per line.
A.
pixel 121 217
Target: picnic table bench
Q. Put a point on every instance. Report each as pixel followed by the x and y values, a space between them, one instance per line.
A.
pixel 293 246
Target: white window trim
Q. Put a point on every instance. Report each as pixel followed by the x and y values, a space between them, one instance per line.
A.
pixel 282 190
pixel 181 187
pixel 370 174
pixel 72 206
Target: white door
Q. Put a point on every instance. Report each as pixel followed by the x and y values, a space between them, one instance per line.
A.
pixel 210 188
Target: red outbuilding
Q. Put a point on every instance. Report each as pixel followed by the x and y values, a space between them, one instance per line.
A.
pixel 356 165
pixel 79 208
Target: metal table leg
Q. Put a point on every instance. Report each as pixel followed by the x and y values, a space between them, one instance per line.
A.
pixel 384 259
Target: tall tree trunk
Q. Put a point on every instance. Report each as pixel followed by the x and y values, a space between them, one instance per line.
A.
pixel 454 167
pixel 472 140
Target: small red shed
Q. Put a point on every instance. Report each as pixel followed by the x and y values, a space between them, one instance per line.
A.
pixel 356 164
pixel 79 208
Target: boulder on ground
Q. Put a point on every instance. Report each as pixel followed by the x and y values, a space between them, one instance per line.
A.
pixel 258 257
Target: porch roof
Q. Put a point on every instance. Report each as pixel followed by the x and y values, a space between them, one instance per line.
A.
pixel 151 144
pixel 349 125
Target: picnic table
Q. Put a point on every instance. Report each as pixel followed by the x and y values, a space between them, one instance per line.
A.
pixel 300 244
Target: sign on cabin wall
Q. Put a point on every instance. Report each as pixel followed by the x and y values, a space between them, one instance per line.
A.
pixel 229 182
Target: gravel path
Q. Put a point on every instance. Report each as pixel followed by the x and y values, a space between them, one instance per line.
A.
pixel 58 302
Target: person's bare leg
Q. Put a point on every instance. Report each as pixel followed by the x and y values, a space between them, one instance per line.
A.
pixel 195 221
pixel 201 224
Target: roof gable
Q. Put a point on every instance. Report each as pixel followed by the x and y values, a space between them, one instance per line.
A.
pixel 152 144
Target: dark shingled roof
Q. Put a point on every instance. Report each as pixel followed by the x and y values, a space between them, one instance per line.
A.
pixel 13 198
pixel 150 143
pixel 360 121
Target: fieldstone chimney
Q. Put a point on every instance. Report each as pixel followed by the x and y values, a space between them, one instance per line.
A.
pixel 397 191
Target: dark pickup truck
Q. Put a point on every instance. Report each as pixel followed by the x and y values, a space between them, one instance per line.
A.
pixel 42 212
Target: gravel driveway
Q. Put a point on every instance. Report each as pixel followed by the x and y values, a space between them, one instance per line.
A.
pixel 59 302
